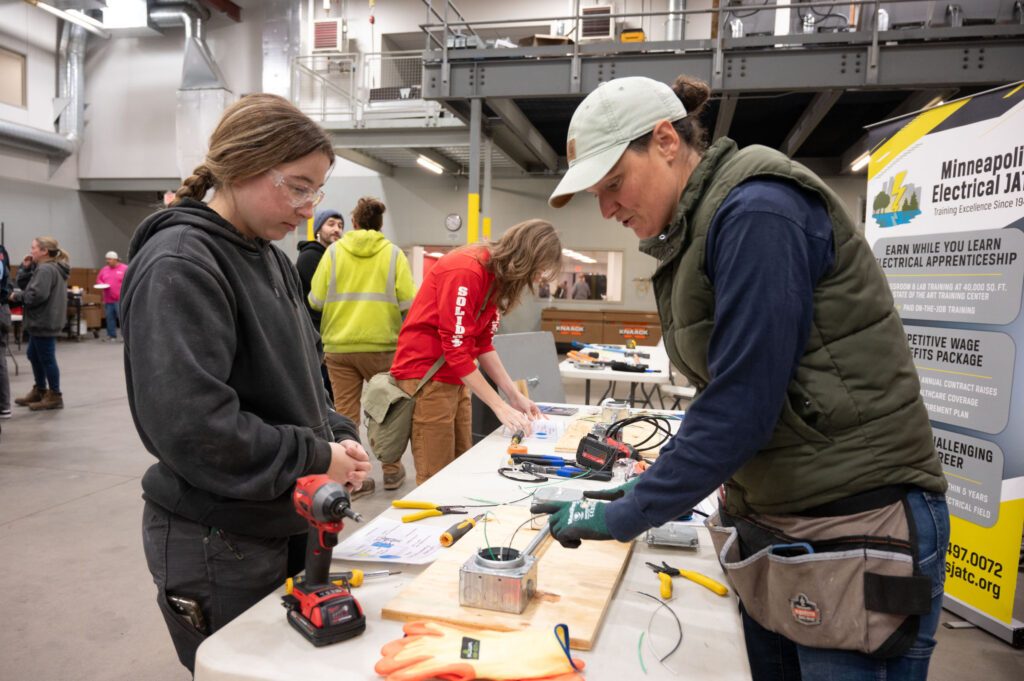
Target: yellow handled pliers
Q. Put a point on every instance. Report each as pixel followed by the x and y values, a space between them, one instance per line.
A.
pixel 431 510
pixel 666 573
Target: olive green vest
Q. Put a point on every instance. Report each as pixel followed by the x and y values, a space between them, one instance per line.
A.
pixel 853 419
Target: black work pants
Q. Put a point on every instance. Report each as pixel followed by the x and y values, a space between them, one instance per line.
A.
pixel 225 573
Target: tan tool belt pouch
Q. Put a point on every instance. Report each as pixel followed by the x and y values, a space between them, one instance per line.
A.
pixel 388 411
pixel 848 582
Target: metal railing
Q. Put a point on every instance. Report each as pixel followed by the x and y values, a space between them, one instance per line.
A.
pixel 752 24
pixel 324 85
pixel 345 86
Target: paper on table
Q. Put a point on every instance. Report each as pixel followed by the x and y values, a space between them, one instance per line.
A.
pixel 391 541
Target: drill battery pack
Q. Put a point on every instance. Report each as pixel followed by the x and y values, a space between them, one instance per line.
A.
pixel 600 453
pixel 324 614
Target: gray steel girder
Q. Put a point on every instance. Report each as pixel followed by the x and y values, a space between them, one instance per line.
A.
pixel 974 62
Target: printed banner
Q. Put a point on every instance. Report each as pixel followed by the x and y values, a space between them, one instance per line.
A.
pixel 944 217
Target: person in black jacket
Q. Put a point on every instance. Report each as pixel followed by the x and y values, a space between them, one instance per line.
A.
pixel 328 225
pixel 223 371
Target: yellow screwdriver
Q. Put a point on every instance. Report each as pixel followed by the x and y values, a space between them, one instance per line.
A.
pixel 346 580
pixel 456 531
pixel 666 573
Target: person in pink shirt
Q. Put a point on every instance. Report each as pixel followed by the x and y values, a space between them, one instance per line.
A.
pixel 111 275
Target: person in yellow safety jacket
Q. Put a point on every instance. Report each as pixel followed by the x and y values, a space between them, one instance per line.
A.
pixel 363 286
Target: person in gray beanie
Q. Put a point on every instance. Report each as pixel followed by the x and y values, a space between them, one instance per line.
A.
pixel 327 227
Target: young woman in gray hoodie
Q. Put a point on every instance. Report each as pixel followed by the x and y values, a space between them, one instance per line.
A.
pixel 223 371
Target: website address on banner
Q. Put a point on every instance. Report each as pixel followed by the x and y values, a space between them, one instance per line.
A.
pixel 960 563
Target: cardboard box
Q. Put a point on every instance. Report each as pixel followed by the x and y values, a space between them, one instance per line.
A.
pixel 93 317
pixel 80 277
pixel 621 327
pixel 536 40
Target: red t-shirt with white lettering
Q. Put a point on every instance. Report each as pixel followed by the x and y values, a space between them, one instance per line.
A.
pixel 443 318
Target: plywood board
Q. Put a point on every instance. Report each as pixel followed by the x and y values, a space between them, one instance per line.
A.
pixel 632 434
pixel 574 586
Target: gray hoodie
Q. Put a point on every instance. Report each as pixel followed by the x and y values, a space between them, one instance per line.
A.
pixel 223 373
pixel 44 297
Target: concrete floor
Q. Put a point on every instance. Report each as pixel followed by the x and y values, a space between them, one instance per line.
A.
pixel 79 604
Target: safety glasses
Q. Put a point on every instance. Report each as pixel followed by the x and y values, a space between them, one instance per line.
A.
pixel 297 196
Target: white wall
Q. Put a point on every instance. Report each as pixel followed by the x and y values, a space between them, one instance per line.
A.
pixel 85 225
pixel 130 92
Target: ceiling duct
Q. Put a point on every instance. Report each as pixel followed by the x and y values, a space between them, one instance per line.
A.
pixel 31 139
pixel 199 70
pixel 203 94
pixel 71 82
pixel 69 105
pixel 675 21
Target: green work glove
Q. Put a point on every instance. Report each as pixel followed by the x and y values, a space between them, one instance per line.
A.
pixel 613 493
pixel 572 521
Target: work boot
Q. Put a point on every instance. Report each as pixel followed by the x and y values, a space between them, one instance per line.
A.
pixel 394 475
pixel 51 400
pixel 34 395
pixel 368 488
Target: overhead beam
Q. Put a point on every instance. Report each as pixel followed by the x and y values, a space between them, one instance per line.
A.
pixel 809 120
pixel 726 111
pixel 914 102
pixel 365 160
pixel 129 184
pixel 993 60
pixel 516 122
pixel 400 138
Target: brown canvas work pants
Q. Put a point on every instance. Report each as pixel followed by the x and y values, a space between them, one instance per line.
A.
pixel 441 425
pixel 348 371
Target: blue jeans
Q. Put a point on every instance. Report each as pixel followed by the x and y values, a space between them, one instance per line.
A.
pixel 42 354
pixel 112 312
pixel 776 658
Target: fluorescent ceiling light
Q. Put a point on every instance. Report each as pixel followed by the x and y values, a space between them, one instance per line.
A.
pixel 434 254
pixel 67 16
pixel 430 164
pixel 569 253
pixel 860 162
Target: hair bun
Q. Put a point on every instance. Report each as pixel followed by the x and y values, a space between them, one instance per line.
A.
pixel 693 92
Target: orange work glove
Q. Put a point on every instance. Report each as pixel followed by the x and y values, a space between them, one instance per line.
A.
pixel 434 649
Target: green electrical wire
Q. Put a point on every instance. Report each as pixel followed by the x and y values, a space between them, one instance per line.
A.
pixel 640 652
pixel 486 540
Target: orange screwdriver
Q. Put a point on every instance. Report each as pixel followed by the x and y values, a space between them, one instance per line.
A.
pixel 456 531
pixel 516 446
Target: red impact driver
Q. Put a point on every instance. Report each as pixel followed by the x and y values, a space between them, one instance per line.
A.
pixel 321 611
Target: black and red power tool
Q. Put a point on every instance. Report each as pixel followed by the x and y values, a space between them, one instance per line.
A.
pixel 600 452
pixel 321 611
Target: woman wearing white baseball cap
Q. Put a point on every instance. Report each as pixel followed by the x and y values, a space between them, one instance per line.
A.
pixel 808 407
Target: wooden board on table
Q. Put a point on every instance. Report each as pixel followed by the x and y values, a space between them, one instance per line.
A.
pixel 574 586
pixel 632 434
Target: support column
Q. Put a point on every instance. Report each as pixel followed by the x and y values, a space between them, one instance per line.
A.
pixel 473 207
pixel 487 208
